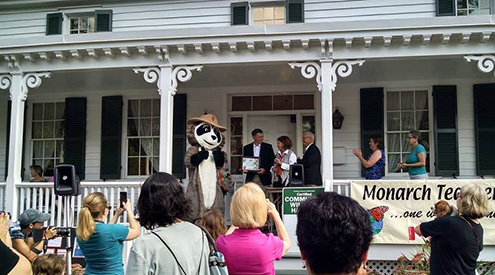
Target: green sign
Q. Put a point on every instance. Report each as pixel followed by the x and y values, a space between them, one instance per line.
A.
pixel 292 197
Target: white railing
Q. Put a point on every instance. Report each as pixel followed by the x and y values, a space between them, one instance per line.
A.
pixel 40 195
pixel 342 187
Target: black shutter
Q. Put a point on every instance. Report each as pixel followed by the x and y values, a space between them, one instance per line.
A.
pixel 239 13
pixel 179 139
pixel 484 119
pixel 111 137
pixel 445 123
pixel 445 8
pixel 75 134
pixel 54 23
pixel 9 114
pixel 294 11
pixel 103 20
pixel 371 118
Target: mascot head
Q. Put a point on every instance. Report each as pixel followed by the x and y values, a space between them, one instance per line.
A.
pixel 205 131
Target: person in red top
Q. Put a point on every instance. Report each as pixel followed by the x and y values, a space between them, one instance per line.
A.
pixel 247 251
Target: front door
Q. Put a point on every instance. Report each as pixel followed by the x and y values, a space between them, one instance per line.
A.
pixel 274 126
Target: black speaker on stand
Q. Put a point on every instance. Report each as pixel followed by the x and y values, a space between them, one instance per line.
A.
pixel 67 184
pixel 296 175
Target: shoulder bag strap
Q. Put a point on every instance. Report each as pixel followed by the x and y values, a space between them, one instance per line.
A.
pixel 181 268
pixel 201 255
pixel 474 231
pixel 211 242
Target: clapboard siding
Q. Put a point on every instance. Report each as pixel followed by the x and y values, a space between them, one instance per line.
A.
pixel 467 141
pixel 217 13
pixel 3 136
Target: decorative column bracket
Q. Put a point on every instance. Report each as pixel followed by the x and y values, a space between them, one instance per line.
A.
pixel 486 63
pixel 342 68
pixel 179 73
pixel 5 81
pixel 29 81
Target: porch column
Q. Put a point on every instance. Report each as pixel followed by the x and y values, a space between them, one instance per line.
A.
pixel 166 78
pixel 19 87
pixel 326 79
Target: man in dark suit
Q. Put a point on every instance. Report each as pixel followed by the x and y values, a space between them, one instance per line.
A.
pixel 264 151
pixel 311 160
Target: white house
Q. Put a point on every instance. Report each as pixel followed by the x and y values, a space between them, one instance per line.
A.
pixel 108 85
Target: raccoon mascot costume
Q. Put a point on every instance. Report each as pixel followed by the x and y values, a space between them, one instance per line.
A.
pixel 205 161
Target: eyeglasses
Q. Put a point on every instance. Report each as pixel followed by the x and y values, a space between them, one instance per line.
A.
pixel 410 138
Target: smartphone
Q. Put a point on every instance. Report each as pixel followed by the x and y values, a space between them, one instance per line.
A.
pixel 123 199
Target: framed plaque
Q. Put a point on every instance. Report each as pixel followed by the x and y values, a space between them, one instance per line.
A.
pixel 251 163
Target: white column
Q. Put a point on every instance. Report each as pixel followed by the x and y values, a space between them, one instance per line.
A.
pixel 326 80
pixel 166 78
pixel 19 84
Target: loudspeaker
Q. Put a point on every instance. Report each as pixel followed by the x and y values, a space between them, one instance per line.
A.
pixel 296 175
pixel 66 181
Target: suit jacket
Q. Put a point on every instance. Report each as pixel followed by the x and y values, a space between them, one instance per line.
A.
pixel 266 161
pixel 312 165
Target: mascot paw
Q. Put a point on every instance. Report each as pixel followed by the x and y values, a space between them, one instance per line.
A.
pixel 197 158
pixel 219 158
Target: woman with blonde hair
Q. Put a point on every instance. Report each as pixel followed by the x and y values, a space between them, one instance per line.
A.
pixel 246 249
pixel 457 240
pixel 102 243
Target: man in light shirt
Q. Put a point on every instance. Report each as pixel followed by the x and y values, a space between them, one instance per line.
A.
pixel 263 151
pixel 311 161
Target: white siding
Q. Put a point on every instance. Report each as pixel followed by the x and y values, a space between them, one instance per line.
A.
pixel 3 136
pixel 200 13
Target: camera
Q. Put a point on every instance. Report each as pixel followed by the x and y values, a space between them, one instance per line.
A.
pixel 61 231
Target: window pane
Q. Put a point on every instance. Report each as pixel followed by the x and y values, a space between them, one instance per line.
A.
pixel 462 12
pixel 37 149
pixel 49 111
pixel 74 23
pixel 59 110
pixel 37 130
pixel 60 149
pixel 49 149
pixel 473 4
pixel 393 143
pixel 407 100
pixel 407 119
pixel 241 103
pixel 155 127
pixel 461 4
pixel 145 108
pixel 132 126
pixel 484 4
pixel 91 24
pixel 302 102
pixel 279 12
pixel 59 129
pixel 393 121
pixel 48 129
pixel 262 103
pixel 236 145
pixel 269 13
pixel 38 111
pixel 405 144
pixel 308 124
pixel 236 126
pixel 133 147
pixel 422 121
pixel 144 166
pixel 235 165
pixel 393 159
pixel 393 101
pixel 282 102
pixel 146 147
pixel 145 127
pixel 48 167
pixel 421 100
pixel 84 23
pixel 258 14
pixel 133 108
pixel 156 147
pixel 156 108
pixel 133 166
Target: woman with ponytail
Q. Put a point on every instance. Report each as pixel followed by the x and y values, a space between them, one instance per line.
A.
pixel 102 243
pixel 416 160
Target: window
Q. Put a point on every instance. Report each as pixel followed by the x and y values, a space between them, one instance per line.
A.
pixel 406 111
pixel 273 15
pixel 48 135
pixel 472 7
pixel 235 145
pixel 275 102
pixel 82 24
pixel 143 136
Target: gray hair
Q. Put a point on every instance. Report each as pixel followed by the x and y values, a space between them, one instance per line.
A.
pixel 310 134
pixel 473 201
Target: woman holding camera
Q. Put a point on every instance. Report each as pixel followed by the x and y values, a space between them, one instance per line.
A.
pixel 102 243
pixel 246 249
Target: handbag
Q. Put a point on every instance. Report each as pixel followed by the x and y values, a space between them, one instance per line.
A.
pixel 217 260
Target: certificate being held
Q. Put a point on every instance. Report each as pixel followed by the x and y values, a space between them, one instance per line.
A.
pixel 251 163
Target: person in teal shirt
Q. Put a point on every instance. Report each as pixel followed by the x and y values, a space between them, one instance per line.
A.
pixel 102 243
pixel 416 160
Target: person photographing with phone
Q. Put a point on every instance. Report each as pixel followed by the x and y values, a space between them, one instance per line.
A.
pixel 102 243
pixel 21 233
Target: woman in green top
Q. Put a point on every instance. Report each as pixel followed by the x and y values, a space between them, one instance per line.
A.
pixel 416 160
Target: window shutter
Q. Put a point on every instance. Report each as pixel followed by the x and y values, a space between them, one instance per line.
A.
pixel 54 23
pixel 484 119
pixel 111 137
pixel 445 123
pixel 294 11
pixel 179 141
pixel 445 8
pixel 9 113
pixel 371 118
pixel 103 20
pixel 239 13
pixel 75 134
